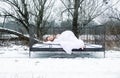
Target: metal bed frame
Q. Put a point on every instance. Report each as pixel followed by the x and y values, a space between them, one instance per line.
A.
pixel 97 31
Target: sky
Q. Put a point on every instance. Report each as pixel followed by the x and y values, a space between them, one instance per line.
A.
pixel 57 5
pixel 3 5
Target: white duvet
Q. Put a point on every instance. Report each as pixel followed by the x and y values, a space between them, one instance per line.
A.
pixel 68 41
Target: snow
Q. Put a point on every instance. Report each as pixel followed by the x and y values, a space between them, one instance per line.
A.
pixel 15 63
pixel 60 68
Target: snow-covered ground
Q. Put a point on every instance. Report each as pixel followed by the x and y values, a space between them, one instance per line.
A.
pixel 15 63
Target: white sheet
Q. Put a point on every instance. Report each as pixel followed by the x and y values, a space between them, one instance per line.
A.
pixel 68 41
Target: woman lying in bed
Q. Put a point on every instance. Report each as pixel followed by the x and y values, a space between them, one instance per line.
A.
pixel 67 40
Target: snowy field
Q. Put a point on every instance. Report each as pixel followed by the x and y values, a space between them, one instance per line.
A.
pixel 15 63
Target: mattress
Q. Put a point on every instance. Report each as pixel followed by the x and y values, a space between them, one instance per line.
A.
pixel 56 45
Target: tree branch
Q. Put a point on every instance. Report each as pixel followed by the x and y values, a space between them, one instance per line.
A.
pixel 67 8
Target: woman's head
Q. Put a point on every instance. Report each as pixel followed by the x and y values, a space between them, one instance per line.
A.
pixel 50 38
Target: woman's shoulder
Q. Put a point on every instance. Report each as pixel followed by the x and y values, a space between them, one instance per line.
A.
pixel 67 31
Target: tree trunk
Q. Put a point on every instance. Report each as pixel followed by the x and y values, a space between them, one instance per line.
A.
pixel 21 36
pixel 75 18
pixel 39 21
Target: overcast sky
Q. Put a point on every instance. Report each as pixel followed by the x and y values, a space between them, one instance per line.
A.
pixel 57 5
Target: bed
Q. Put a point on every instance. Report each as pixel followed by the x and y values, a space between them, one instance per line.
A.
pixel 94 39
pixel 56 48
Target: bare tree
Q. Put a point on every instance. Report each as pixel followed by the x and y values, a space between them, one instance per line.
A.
pixel 114 25
pixel 84 11
pixel 41 13
pixel 18 11
pixel 30 13
pixel 114 14
pixel 74 13
pixel 75 16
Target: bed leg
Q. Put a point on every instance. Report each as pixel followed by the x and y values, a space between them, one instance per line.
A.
pixel 29 54
pixel 104 54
